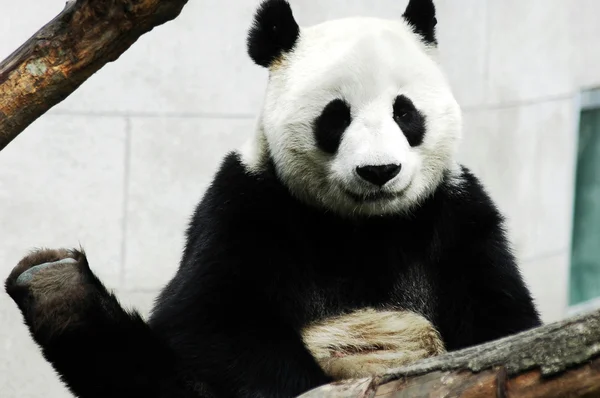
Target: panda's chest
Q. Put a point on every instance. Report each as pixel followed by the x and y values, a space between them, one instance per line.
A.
pixel 336 269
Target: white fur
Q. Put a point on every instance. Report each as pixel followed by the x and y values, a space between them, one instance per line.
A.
pixel 369 342
pixel 368 62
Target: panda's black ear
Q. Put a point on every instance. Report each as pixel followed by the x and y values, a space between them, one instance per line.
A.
pixel 273 32
pixel 420 14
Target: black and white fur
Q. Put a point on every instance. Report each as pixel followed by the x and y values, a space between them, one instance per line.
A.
pixel 343 240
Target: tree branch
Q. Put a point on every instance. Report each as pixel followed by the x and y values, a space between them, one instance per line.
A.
pixel 556 360
pixel 55 61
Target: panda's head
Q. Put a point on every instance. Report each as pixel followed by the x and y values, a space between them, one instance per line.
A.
pixel 358 117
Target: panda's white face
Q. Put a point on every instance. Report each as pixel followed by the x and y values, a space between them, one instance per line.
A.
pixel 358 118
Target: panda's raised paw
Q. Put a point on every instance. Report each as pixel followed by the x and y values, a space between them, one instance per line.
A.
pixel 50 287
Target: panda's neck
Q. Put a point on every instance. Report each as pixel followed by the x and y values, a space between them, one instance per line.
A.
pixel 254 154
pixel 286 197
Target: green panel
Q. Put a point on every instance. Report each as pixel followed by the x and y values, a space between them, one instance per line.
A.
pixel 585 256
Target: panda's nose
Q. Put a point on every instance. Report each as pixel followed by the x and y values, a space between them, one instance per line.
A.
pixel 378 175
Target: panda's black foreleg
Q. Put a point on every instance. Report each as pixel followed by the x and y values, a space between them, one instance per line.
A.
pixel 98 348
pixel 234 335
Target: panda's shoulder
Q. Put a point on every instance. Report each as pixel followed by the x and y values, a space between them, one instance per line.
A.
pixel 468 203
pixel 238 196
pixel 461 184
pixel 234 178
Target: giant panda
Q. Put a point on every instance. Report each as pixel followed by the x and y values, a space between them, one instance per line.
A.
pixel 344 239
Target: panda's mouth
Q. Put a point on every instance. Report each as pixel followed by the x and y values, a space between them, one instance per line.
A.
pixel 375 196
pixel 372 196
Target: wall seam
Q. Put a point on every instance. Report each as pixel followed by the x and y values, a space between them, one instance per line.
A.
pixel 518 104
pixel 150 115
pixel 125 202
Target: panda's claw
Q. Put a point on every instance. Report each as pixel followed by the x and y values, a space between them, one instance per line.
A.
pixel 27 276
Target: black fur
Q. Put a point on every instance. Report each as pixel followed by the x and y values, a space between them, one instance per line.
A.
pixel 259 265
pixel 329 127
pixel 410 120
pixel 273 32
pixel 420 14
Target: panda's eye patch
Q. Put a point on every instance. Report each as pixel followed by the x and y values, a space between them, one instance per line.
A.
pixel 404 109
pixel 409 119
pixel 330 125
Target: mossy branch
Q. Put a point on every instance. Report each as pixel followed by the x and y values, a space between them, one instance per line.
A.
pixel 557 360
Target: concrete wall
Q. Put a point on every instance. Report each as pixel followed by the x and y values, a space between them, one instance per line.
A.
pixel 119 165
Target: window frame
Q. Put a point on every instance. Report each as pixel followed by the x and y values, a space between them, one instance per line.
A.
pixel 587 100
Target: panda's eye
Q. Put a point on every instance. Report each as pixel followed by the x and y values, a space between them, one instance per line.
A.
pixel 403 109
pixel 409 119
pixel 402 116
pixel 331 124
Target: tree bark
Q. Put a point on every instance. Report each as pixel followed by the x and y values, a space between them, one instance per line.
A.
pixel 55 61
pixel 553 361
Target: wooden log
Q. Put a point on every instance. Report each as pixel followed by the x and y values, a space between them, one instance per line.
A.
pixel 558 360
pixel 63 54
